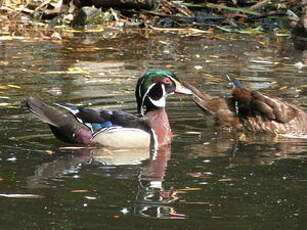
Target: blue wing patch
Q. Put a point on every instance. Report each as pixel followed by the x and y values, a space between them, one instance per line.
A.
pixel 91 125
pixel 98 126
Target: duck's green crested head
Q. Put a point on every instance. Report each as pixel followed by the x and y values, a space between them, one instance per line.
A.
pixel 154 86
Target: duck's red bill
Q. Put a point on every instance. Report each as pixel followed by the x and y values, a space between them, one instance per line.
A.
pixel 183 90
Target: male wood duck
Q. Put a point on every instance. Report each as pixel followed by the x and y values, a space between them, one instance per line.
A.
pixel 252 110
pixel 117 129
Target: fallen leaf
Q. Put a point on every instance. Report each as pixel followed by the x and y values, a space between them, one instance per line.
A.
pixel 79 190
pixel 5 63
pixel 283 88
pixel 49 152
pixel 225 180
pixel 20 195
pixel 200 175
pixel 14 86
pixel 188 189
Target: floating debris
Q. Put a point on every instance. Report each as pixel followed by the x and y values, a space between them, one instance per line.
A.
pixel 27 196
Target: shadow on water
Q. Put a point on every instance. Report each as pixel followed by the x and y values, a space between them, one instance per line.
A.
pixel 209 180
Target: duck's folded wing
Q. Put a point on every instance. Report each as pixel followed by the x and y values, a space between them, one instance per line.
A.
pixel 253 103
pixel 99 119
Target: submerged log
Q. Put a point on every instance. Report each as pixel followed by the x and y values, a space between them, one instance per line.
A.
pixel 121 4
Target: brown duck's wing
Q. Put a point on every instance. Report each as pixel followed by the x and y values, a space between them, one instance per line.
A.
pixel 251 103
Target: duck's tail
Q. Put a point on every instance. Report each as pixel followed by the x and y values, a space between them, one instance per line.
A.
pixel 62 123
pixel 46 113
pixel 235 83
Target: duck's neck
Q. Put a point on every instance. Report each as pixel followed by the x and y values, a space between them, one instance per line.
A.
pixel 158 121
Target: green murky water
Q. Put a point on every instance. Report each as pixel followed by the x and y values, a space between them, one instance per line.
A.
pixel 204 181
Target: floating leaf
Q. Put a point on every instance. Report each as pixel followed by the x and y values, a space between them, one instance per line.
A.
pixel 49 152
pixel 21 195
pixel 54 91
pixel 90 197
pixel 164 42
pixel 14 86
pixel 200 175
pixel 79 190
pixel 214 56
pixel 78 70
pixel 249 31
pixel 189 189
pixel 5 63
pixel 283 88
pixel 225 180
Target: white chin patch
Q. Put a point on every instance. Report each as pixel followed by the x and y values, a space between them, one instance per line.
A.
pixel 158 103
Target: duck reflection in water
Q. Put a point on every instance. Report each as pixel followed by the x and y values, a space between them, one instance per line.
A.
pixel 250 150
pixel 151 199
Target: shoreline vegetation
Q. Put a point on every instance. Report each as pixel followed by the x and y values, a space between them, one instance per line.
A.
pixel 189 16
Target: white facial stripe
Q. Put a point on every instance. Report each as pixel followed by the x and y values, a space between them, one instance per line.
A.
pixel 145 95
pixel 173 79
pixel 140 86
pixel 159 103
pixel 162 101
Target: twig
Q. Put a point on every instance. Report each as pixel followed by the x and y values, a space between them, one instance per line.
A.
pixel 42 5
pixel 258 5
pixel 181 17
pixel 268 15
pixel 167 15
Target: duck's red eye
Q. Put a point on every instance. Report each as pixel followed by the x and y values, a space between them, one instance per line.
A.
pixel 166 81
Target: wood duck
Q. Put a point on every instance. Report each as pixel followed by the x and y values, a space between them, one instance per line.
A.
pixel 252 110
pixel 117 129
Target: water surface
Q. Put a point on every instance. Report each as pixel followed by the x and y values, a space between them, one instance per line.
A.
pixel 205 180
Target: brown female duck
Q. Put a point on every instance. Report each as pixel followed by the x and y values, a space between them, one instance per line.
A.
pixel 252 110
